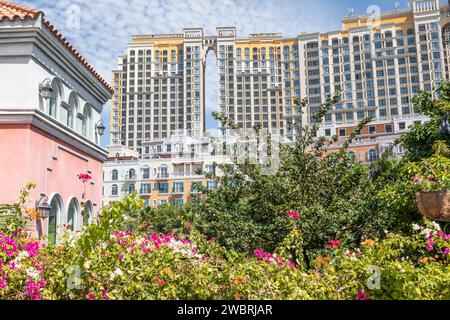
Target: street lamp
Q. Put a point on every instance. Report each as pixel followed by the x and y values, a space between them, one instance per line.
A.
pixel 43 208
pixel 100 128
pixel 45 89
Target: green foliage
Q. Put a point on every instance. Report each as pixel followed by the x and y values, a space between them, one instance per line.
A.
pixel 336 197
pixel 421 138
pixel 168 218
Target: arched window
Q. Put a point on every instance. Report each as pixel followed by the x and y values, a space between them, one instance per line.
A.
pixel 55 99
pixel 87 213
pixel 373 155
pixel 72 214
pixel 146 173
pixel 86 126
pixel 115 175
pixel 132 174
pixel 68 112
pixel 114 190
pixel 131 188
pixel 163 171
pixel 55 215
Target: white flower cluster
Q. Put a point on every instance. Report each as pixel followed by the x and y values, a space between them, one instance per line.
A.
pixel 426 232
pixel 71 237
pixel 186 249
pixel 116 273
pixel 32 272
pixel 18 260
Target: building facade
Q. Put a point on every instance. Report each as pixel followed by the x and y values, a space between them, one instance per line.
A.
pixel 166 174
pixel 50 105
pixel 379 62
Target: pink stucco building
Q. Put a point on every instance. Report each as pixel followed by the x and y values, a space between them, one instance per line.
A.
pixel 51 100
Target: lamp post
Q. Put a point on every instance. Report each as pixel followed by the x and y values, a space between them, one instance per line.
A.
pixel 45 89
pixel 43 210
pixel 45 92
pixel 100 127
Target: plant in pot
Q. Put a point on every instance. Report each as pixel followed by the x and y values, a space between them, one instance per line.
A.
pixel 431 179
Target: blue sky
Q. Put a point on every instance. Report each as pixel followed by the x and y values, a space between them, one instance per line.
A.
pixel 101 29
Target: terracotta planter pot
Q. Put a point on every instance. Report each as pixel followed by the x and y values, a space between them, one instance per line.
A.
pixel 434 205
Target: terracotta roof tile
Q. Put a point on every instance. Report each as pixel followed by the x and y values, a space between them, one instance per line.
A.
pixel 12 11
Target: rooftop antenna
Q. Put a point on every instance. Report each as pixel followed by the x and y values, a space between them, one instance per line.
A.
pixel 350 11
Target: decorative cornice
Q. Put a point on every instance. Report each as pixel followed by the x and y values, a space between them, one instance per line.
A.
pixel 42 121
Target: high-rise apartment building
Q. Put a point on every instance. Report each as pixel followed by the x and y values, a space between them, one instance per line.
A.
pixel 379 62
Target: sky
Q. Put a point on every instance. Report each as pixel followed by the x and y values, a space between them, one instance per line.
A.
pixel 101 29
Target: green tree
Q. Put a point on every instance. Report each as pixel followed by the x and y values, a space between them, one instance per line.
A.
pixel 335 196
pixel 421 138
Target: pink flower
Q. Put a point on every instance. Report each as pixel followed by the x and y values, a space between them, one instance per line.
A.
pixel 2 284
pixel 90 296
pixel 293 215
pixel 105 294
pixel 334 243
pixel 416 179
pixel 121 257
pixel 363 296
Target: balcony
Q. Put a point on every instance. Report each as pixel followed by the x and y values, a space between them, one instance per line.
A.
pixel 131 177
pixel 163 176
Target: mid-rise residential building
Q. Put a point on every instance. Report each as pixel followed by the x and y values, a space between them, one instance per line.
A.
pixel 167 173
pixel 50 105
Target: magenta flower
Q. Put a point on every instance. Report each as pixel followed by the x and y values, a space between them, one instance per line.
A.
pixel 105 294
pixel 2 284
pixel 416 179
pixel 32 249
pixel 293 215
pixel 362 296
pixel 90 296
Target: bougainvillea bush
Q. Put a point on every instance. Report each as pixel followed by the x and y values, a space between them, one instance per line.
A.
pixel 105 262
